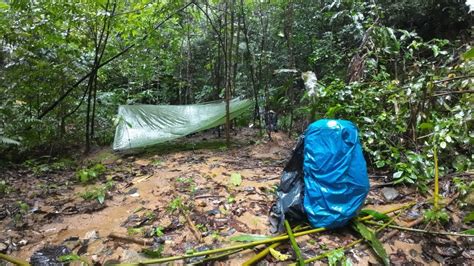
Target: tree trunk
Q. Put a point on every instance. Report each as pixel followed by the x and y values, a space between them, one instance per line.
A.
pixel 288 31
pixel 256 114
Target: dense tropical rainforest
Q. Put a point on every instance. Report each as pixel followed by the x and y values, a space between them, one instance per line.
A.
pixel 402 71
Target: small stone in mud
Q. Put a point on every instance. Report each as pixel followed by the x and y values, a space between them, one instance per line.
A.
pixel 119 161
pixel 3 247
pixel 413 253
pixel 92 235
pixel 389 193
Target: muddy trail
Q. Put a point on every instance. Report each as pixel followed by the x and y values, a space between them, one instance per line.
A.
pixel 196 195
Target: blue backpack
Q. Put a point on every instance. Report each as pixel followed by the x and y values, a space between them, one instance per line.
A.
pixel 335 173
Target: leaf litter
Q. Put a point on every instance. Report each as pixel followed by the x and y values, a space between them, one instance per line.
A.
pixel 226 195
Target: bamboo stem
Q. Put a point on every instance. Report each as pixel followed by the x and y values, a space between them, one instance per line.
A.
pixel 216 257
pixel 13 260
pixel 294 245
pixel 248 245
pixel 352 244
pixel 218 250
pixel 265 251
pixel 262 254
pixel 436 185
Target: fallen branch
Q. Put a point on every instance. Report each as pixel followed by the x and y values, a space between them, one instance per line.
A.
pixel 145 242
pixel 452 92
pixel 424 231
pixel 451 79
pixel 393 233
pixel 13 260
pixel 193 228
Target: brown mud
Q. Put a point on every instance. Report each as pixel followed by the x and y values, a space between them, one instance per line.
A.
pixel 159 188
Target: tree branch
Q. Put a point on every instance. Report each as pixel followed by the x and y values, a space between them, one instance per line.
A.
pixel 125 50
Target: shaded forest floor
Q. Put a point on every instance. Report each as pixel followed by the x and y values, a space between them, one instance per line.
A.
pixel 188 195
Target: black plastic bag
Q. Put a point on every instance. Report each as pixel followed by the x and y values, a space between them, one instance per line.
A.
pixel 49 256
pixel 289 204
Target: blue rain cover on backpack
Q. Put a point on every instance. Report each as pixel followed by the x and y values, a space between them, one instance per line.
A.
pixel 335 173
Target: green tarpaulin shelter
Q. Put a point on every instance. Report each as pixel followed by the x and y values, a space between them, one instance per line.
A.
pixel 144 125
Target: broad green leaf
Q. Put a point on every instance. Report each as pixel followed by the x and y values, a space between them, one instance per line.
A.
pixel 377 215
pixel 4 5
pixel 469 218
pixel 248 238
pixel 101 199
pixel 235 179
pixel 469 54
pixel 469 231
pixel 426 125
pixel 6 140
pixel 277 255
pixel 369 235
pixel 69 258
pixel 397 174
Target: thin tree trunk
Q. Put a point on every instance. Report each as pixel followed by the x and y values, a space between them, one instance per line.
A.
pixel 256 114
pixel 288 31
pixel 112 58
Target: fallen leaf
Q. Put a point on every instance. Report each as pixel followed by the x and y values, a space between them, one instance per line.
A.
pixel 277 255
pixel 235 179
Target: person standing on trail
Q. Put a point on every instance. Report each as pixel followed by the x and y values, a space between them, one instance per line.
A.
pixel 271 122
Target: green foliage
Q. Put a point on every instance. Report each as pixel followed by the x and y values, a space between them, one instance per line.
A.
pixel 154 252
pixel 159 231
pixel 405 93
pixel 436 216
pixel 377 216
pixel 462 187
pixel 5 188
pixel 23 209
pixel 91 173
pixel 469 217
pixel 469 231
pixel 176 204
pixel 134 231
pixel 373 241
pixel 98 193
pixel 337 257
pixel 72 258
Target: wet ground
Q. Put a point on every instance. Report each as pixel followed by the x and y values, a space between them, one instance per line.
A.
pixel 195 194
